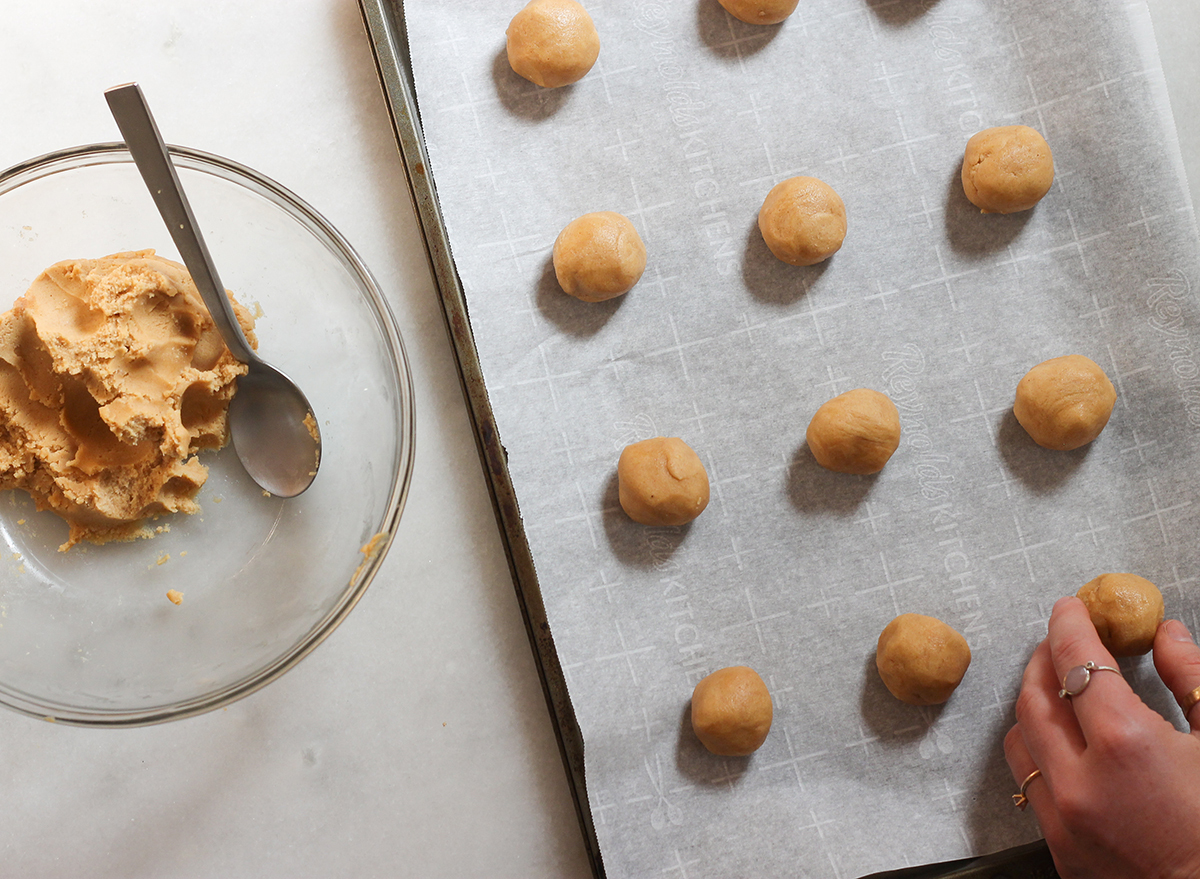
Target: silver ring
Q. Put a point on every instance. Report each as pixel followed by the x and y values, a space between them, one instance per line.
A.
pixel 1076 680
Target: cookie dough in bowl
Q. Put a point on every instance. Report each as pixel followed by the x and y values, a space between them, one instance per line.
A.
pixel 112 378
pixel 1007 169
pixel 1126 610
pixel 661 481
pixel 1065 402
pixel 599 256
pixel 855 432
pixel 552 43
pixel 732 712
pixel 921 659
pixel 760 11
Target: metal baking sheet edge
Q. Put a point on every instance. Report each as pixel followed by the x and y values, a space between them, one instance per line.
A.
pixel 388 36
pixel 384 21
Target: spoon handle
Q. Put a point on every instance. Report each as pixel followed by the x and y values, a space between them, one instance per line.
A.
pixel 149 152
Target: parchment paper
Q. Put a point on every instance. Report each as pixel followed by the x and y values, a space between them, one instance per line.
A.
pixel 685 123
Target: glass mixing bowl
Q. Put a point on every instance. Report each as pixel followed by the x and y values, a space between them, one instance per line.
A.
pixel 88 636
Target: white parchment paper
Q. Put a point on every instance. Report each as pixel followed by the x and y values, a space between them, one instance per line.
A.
pixel 685 123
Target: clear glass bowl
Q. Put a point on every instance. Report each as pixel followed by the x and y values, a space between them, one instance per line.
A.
pixel 88 636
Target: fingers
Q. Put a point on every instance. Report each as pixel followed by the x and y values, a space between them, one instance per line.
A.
pixel 1024 771
pixel 1038 792
pixel 1017 755
pixel 1177 659
pixel 1048 725
pixel 1020 762
pixel 1107 699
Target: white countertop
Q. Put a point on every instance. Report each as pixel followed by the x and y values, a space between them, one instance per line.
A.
pixel 415 741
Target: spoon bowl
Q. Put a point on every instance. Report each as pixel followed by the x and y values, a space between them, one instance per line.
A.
pixel 263 415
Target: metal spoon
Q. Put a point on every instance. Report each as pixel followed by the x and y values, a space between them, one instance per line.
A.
pixel 273 428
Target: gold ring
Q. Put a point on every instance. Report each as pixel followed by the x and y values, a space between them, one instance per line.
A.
pixel 1189 702
pixel 1019 799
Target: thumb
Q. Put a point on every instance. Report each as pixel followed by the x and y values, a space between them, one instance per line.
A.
pixel 1177 659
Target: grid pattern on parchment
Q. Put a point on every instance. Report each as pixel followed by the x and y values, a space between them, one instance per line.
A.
pixel 685 123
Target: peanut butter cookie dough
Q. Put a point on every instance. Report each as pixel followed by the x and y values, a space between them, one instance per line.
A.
pixel 1126 610
pixel 599 256
pixel 552 42
pixel 803 221
pixel 1065 402
pixel 661 481
pixel 1007 169
pixel 760 11
pixel 732 712
pixel 112 377
pixel 855 432
pixel 921 659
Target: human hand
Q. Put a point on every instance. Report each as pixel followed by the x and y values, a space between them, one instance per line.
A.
pixel 1119 789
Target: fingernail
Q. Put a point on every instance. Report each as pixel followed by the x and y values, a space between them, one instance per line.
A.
pixel 1177 631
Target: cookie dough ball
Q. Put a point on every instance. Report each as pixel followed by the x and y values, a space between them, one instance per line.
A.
pixel 921 659
pixel 599 256
pixel 1065 402
pixel 1126 610
pixel 760 11
pixel 552 42
pixel 1007 169
pixel 731 711
pixel 855 432
pixel 661 481
pixel 803 221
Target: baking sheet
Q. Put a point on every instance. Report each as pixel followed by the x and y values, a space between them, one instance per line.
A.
pixel 685 123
